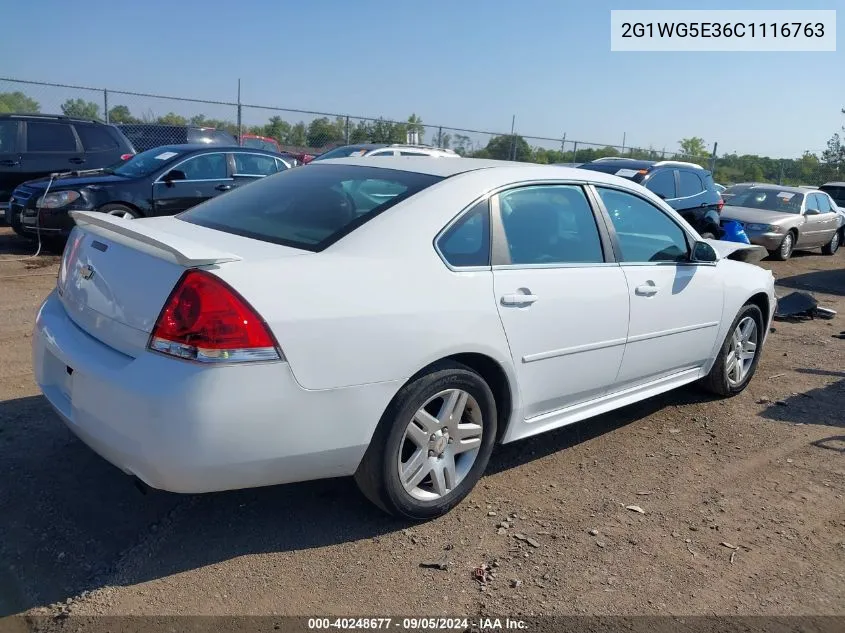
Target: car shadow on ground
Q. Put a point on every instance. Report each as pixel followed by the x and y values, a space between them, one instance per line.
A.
pixel 818 406
pixel 827 281
pixel 69 517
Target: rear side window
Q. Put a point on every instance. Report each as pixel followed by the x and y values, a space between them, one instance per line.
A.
pixel 95 138
pixel 690 184
pixel 467 242
pixel 255 164
pixel 42 136
pixel 662 183
pixel 824 203
pixel 309 208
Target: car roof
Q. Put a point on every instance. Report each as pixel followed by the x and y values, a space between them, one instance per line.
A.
pixel 173 125
pixel 50 117
pixel 772 187
pixel 195 147
pixel 834 184
pixel 445 168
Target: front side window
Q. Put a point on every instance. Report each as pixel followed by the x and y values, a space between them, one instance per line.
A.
pixel 645 233
pixel 467 242
pixel 255 165
pixel 837 193
pixel 662 183
pixel 309 208
pixel 690 184
pixel 42 136
pixel 813 203
pixel 205 167
pixel 550 224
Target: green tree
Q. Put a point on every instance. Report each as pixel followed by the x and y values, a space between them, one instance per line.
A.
pixel 693 146
pixel 361 132
pixel 383 131
pixel 81 108
pixel 507 147
pixel 18 102
pixel 415 124
pixel 171 118
pixel 323 131
pixel 463 145
pixel 121 114
pixel 297 136
pixel 278 129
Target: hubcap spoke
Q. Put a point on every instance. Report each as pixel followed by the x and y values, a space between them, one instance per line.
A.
pixel 743 351
pixel 467 437
pixel 415 469
pixel 453 407
pixel 428 422
pixel 417 435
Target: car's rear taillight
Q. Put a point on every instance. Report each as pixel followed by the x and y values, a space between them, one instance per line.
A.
pixel 126 156
pixel 720 205
pixel 206 320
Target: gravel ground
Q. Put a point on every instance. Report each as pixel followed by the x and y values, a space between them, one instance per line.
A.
pixel 741 501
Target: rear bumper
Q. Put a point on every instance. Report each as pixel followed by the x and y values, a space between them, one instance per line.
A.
pixel 184 427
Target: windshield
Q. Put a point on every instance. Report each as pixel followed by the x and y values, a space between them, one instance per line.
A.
pixel 769 200
pixel 308 208
pixel 343 152
pixel 145 163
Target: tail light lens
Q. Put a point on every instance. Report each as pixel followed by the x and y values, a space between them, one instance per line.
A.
pixel 206 320
pixel 720 205
pixel 126 156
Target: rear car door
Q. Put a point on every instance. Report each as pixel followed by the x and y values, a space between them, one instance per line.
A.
pixel 675 305
pixel 663 183
pixel 205 176
pixel 10 163
pixel 562 299
pixel 50 146
pixel 826 223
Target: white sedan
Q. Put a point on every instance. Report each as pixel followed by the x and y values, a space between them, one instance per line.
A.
pixel 391 320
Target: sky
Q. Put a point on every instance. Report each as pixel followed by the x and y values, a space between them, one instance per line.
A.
pixel 460 63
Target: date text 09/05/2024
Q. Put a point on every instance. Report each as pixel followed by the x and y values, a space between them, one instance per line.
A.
pixel 417 624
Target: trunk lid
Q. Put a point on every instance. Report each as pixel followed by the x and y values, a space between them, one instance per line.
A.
pixel 116 274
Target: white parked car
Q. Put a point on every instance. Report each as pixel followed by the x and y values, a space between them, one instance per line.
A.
pixel 388 320
pixel 382 150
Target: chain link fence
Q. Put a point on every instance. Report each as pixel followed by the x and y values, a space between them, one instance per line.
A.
pixel 309 132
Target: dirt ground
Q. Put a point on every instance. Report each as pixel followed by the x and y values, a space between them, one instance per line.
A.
pixel 742 506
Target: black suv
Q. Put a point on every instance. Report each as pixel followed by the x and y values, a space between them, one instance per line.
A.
pixel 686 187
pixel 146 136
pixel 35 145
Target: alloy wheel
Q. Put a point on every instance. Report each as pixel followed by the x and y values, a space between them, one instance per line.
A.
pixel 440 445
pixel 743 349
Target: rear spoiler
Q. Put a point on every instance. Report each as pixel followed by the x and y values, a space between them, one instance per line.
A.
pixel 142 236
pixel 736 250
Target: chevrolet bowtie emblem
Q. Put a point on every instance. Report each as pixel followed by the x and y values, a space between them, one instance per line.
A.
pixel 86 272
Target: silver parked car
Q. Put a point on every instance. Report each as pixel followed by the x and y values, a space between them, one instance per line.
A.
pixel 782 219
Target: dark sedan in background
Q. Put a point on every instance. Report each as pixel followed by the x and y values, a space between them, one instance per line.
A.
pixel 161 181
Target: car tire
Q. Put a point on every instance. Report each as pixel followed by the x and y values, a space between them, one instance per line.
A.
pixel 417 437
pixel 120 210
pixel 784 251
pixel 727 377
pixel 18 228
pixel 833 245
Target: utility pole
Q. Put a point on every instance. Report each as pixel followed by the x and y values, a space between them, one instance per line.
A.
pixel 512 154
pixel 240 119
pixel 624 136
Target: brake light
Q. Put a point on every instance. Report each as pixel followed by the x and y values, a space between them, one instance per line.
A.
pixel 720 205
pixel 126 156
pixel 206 320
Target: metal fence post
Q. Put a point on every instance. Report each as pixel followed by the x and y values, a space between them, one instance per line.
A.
pixel 574 151
pixel 440 137
pixel 713 160
pixel 106 103
pixel 240 119
pixel 347 129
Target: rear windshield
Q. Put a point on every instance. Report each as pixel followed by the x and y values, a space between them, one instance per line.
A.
pixel 308 208
pixel 616 169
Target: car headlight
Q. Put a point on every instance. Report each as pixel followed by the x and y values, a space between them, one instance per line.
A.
pixel 764 228
pixel 57 199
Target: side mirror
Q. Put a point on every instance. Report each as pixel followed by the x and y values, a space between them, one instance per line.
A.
pixel 172 175
pixel 702 252
pixel 811 212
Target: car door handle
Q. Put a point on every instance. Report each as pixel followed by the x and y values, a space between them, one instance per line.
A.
pixel 224 187
pixel 518 299
pixel 10 163
pixel 647 290
pixel 76 161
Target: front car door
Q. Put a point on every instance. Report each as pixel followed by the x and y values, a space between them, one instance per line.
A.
pixel 675 305
pixel 562 299
pixel 205 176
